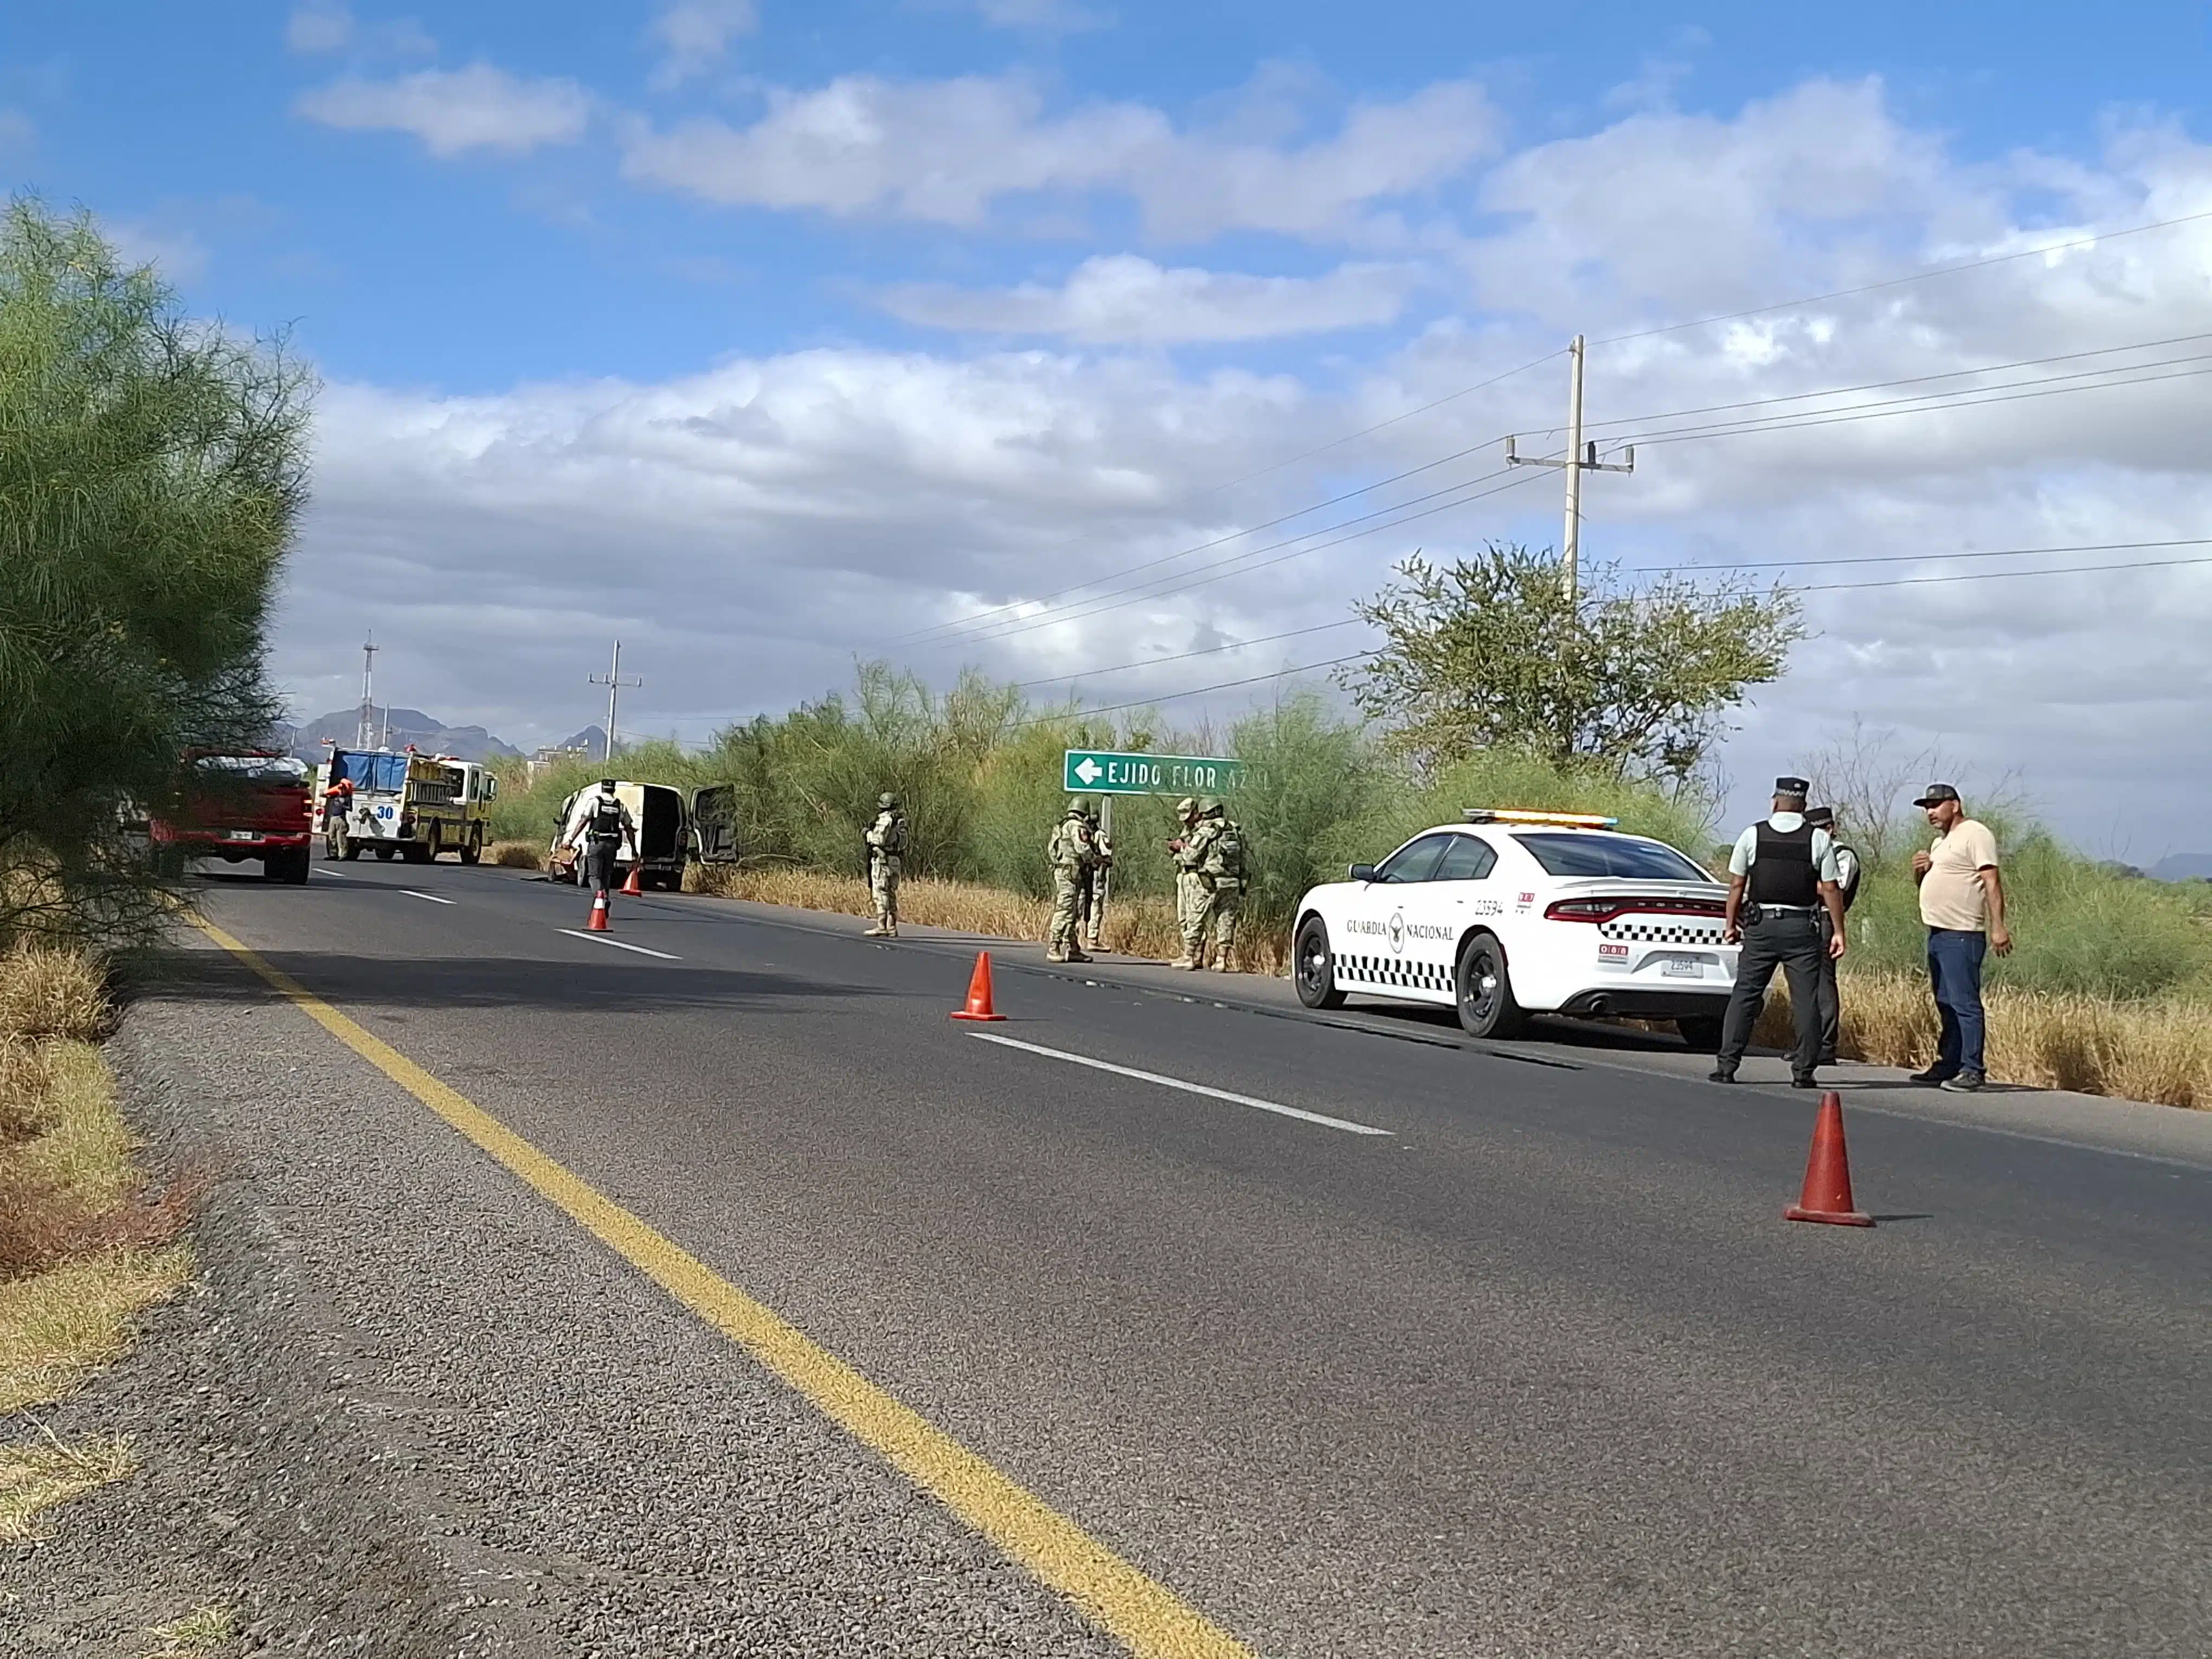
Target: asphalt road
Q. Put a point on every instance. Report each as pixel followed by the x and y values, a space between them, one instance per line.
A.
pixel 1540 1371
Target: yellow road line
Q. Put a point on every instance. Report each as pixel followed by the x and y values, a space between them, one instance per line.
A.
pixel 1145 1616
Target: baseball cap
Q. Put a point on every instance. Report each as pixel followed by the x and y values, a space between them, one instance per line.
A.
pixel 1937 792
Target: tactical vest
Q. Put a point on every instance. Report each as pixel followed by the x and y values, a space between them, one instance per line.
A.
pixel 890 835
pixel 1224 853
pixel 606 818
pixel 1782 872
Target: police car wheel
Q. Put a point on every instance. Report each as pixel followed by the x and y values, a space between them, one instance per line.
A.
pixel 1484 991
pixel 1316 967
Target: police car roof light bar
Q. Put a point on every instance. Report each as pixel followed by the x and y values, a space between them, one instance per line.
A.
pixel 1522 815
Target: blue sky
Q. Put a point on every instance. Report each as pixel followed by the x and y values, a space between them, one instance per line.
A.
pixel 803 328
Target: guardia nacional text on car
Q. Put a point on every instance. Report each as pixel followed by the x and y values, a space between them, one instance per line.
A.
pixel 1514 913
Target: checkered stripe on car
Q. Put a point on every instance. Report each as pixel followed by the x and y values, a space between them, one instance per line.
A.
pixel 1664 933
pixel 1396 971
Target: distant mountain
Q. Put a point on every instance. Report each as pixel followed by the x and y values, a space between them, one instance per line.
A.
pixel 591 739
pixel 405 725
pixel 2184 866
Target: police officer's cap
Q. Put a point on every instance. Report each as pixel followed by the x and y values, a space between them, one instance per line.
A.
pixel 607 784
pixel 1208 806
pixel 887 801
pixel 1820 817
pixel 1796 787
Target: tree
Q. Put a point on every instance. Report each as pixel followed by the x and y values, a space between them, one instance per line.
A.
pixel 1492 653
pixel 151 471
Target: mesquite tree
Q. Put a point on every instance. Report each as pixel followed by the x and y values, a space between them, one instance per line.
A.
pixel 151 471
pixel 1492 653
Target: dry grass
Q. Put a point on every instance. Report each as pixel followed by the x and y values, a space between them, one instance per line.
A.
pixel 85 1247
pixel 202 1631
pixel 1134 926
pixel 38 1475
pixel 60 1326
pixel 46 991
pixel 2155 1051
pixel 26 1081
pixel 515 855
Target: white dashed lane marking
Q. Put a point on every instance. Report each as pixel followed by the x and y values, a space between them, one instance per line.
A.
pixel 619 944
pixel 1253 1100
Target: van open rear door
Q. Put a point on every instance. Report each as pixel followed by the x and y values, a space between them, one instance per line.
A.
pixel 714 824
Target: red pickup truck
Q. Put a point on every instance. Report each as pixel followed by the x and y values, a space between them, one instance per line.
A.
pixel 236 807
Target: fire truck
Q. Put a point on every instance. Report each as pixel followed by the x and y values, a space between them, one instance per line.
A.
pixel 403 805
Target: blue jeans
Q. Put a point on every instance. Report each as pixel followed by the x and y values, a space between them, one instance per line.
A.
pixel 1954 968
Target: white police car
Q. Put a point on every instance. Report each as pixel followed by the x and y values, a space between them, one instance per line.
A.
pixel 1514 913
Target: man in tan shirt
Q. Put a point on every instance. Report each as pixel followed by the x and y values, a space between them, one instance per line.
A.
pixel 1962 902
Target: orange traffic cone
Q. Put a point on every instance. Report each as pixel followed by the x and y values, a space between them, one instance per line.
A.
pixel 633 888
pixel 979 992
pixel 598 924
pixel 1827 1195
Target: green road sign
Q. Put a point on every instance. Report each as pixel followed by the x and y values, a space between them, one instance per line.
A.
pixel 1106 772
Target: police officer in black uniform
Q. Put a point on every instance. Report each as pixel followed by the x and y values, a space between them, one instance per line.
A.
pixel 1782 876
pixel 1848 869
pixel 606 825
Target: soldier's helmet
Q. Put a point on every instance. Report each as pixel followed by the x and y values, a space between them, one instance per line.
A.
pixel 1185 807
pixel 887 802
pixel 1209 806
pixel 1075 810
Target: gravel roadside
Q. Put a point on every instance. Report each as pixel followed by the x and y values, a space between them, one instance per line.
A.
pixel 410 1410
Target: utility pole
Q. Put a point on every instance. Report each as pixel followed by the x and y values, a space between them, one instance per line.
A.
pixel 365 730
pixel 1580 459
pixel 614 682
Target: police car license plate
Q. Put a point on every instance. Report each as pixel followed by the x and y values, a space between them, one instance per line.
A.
pixel 1683 968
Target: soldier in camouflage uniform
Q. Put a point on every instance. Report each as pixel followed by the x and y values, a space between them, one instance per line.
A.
pixel 886 839
pixel 1090 896
pixel 1213 852
pixel 1070 854
pixel 1189 885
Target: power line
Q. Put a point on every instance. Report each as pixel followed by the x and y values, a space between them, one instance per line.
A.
pixel 920 635
pixel 1924 403
pixel 1917 379
pixel 1185 656
pixel 1195 691
pixel 1919 558
pixel 1222 575
pixel 1916 276
pixel 1996 575
pixel 982 625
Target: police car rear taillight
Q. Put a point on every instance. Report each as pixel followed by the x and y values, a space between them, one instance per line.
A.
pixel 1605 909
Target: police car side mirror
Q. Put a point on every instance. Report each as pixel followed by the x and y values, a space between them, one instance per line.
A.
pixel 1363 872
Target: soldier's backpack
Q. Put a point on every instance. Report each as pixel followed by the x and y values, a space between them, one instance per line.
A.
pixel 1224 853
pixel 606 817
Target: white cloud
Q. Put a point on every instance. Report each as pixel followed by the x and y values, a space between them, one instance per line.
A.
pixel 176 251
pixel 1123 298
pixel 18 132
pixel 319 25
pixel 455 111
pixel 947 151
pixel 753 526
pixel 694 36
